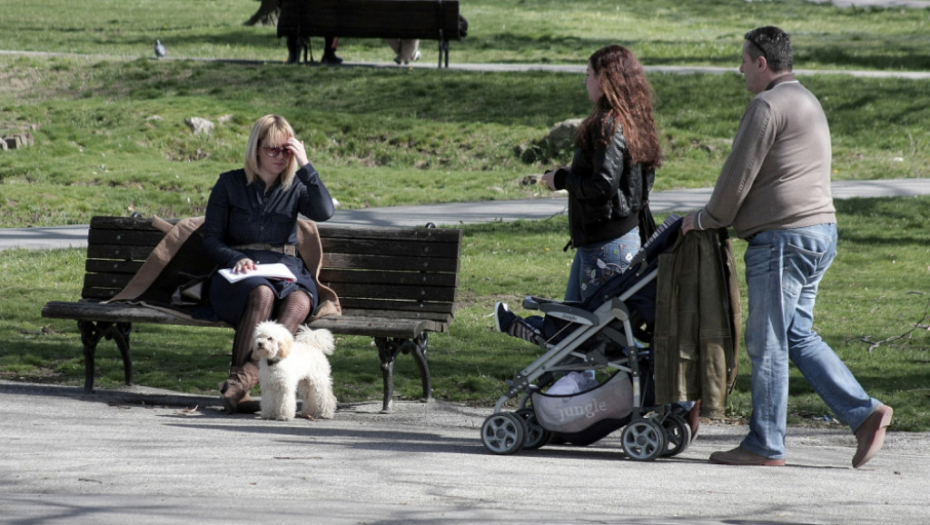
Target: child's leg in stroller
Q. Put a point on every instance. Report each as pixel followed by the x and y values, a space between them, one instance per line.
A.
pixel 507 322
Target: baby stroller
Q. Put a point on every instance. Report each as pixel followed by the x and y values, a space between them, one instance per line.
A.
pixel 610 331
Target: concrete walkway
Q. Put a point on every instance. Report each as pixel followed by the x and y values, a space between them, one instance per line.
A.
pixel 126 456
pixel 477 212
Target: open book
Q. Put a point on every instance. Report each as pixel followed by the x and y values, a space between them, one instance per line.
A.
pixel 269 271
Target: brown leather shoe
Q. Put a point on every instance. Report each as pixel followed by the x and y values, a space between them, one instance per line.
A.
pixel 871 435
pixel 742 457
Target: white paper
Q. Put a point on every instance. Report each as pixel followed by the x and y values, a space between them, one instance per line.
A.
pixel 269 271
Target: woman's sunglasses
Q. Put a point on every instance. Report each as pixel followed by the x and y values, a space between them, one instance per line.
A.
pixel 274 152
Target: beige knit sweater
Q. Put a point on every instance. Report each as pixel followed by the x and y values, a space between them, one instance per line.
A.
pixel 778 174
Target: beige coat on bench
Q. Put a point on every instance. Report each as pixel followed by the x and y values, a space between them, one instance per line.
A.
pixel 308 245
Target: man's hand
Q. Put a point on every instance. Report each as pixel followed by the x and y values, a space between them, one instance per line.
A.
pixel 689 223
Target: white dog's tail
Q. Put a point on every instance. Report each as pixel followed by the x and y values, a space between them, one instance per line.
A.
pixel 322 338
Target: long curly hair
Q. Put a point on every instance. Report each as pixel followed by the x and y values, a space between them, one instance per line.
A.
pixel 627 102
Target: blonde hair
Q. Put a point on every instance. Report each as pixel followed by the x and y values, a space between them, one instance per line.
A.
pixel 271 129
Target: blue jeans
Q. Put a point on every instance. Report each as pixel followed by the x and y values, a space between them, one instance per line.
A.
pixel 783 272
pixel 586 275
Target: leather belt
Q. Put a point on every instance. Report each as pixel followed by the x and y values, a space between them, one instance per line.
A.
pixel 286 249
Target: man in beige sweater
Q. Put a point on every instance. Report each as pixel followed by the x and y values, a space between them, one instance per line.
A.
pixel 774 190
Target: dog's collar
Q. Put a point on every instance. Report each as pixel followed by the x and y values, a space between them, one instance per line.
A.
pixel 272 362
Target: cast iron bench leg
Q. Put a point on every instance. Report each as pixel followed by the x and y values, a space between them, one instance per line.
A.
pixel 120 334
pixel 419 354
pixel 91 332
pixel 388 348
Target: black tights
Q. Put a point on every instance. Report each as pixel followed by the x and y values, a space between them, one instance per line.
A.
pixel 260 306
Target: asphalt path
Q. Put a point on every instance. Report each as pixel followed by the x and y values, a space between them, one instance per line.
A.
pixel 478 212
pixel 148 457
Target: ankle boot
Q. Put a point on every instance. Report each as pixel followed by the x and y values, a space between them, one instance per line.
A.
pixel 235 390
pixel 232 393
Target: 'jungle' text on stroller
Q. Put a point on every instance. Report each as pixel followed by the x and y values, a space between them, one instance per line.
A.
pixel 588 410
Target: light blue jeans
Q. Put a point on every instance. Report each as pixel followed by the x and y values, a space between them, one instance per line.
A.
pixel 783 272
pixel 586 275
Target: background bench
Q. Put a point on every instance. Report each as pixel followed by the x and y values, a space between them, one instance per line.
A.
pixel 406 19
pixel 394 284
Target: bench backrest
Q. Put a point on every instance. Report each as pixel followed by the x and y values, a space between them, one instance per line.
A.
pixel 376 271
pixel 426 19
pixel 392 272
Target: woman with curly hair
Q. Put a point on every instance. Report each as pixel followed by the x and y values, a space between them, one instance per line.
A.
pixel 608 182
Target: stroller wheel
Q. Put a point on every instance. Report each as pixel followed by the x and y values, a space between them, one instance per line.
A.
pixel 643 440
pixel 677 433
pixel 536 435
pixel 503 433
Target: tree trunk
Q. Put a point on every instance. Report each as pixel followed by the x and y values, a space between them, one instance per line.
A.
pixel 267 14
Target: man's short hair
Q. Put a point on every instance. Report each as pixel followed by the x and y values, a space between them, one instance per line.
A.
pixel 773 44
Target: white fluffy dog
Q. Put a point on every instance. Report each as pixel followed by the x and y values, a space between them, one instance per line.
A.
pixel 290 367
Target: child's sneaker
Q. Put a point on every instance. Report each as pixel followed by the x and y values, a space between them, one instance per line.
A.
pixel 503 318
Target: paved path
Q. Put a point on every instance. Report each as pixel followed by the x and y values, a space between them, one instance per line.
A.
pixel 120 457
pixel 551 68
pixel 477 212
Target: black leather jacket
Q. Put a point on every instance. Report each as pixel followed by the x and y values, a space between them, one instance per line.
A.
pixel 605 192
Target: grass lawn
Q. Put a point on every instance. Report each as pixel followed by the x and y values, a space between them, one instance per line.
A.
pixel 661 32
pixel 875 291
pixel 110 138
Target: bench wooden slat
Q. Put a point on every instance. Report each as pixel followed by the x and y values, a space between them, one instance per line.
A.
pixel 112 266
pixel 337 276
pixel 376 326
pixel 435 311
pixel 99 294
pixel 118 312
pixel 378 262
pixel 333 231
pixel 106 280
pixel 395 247
pixel 111 251
pixel 404 293
pixel 107 222
pixel 123 237
pixel 371 326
